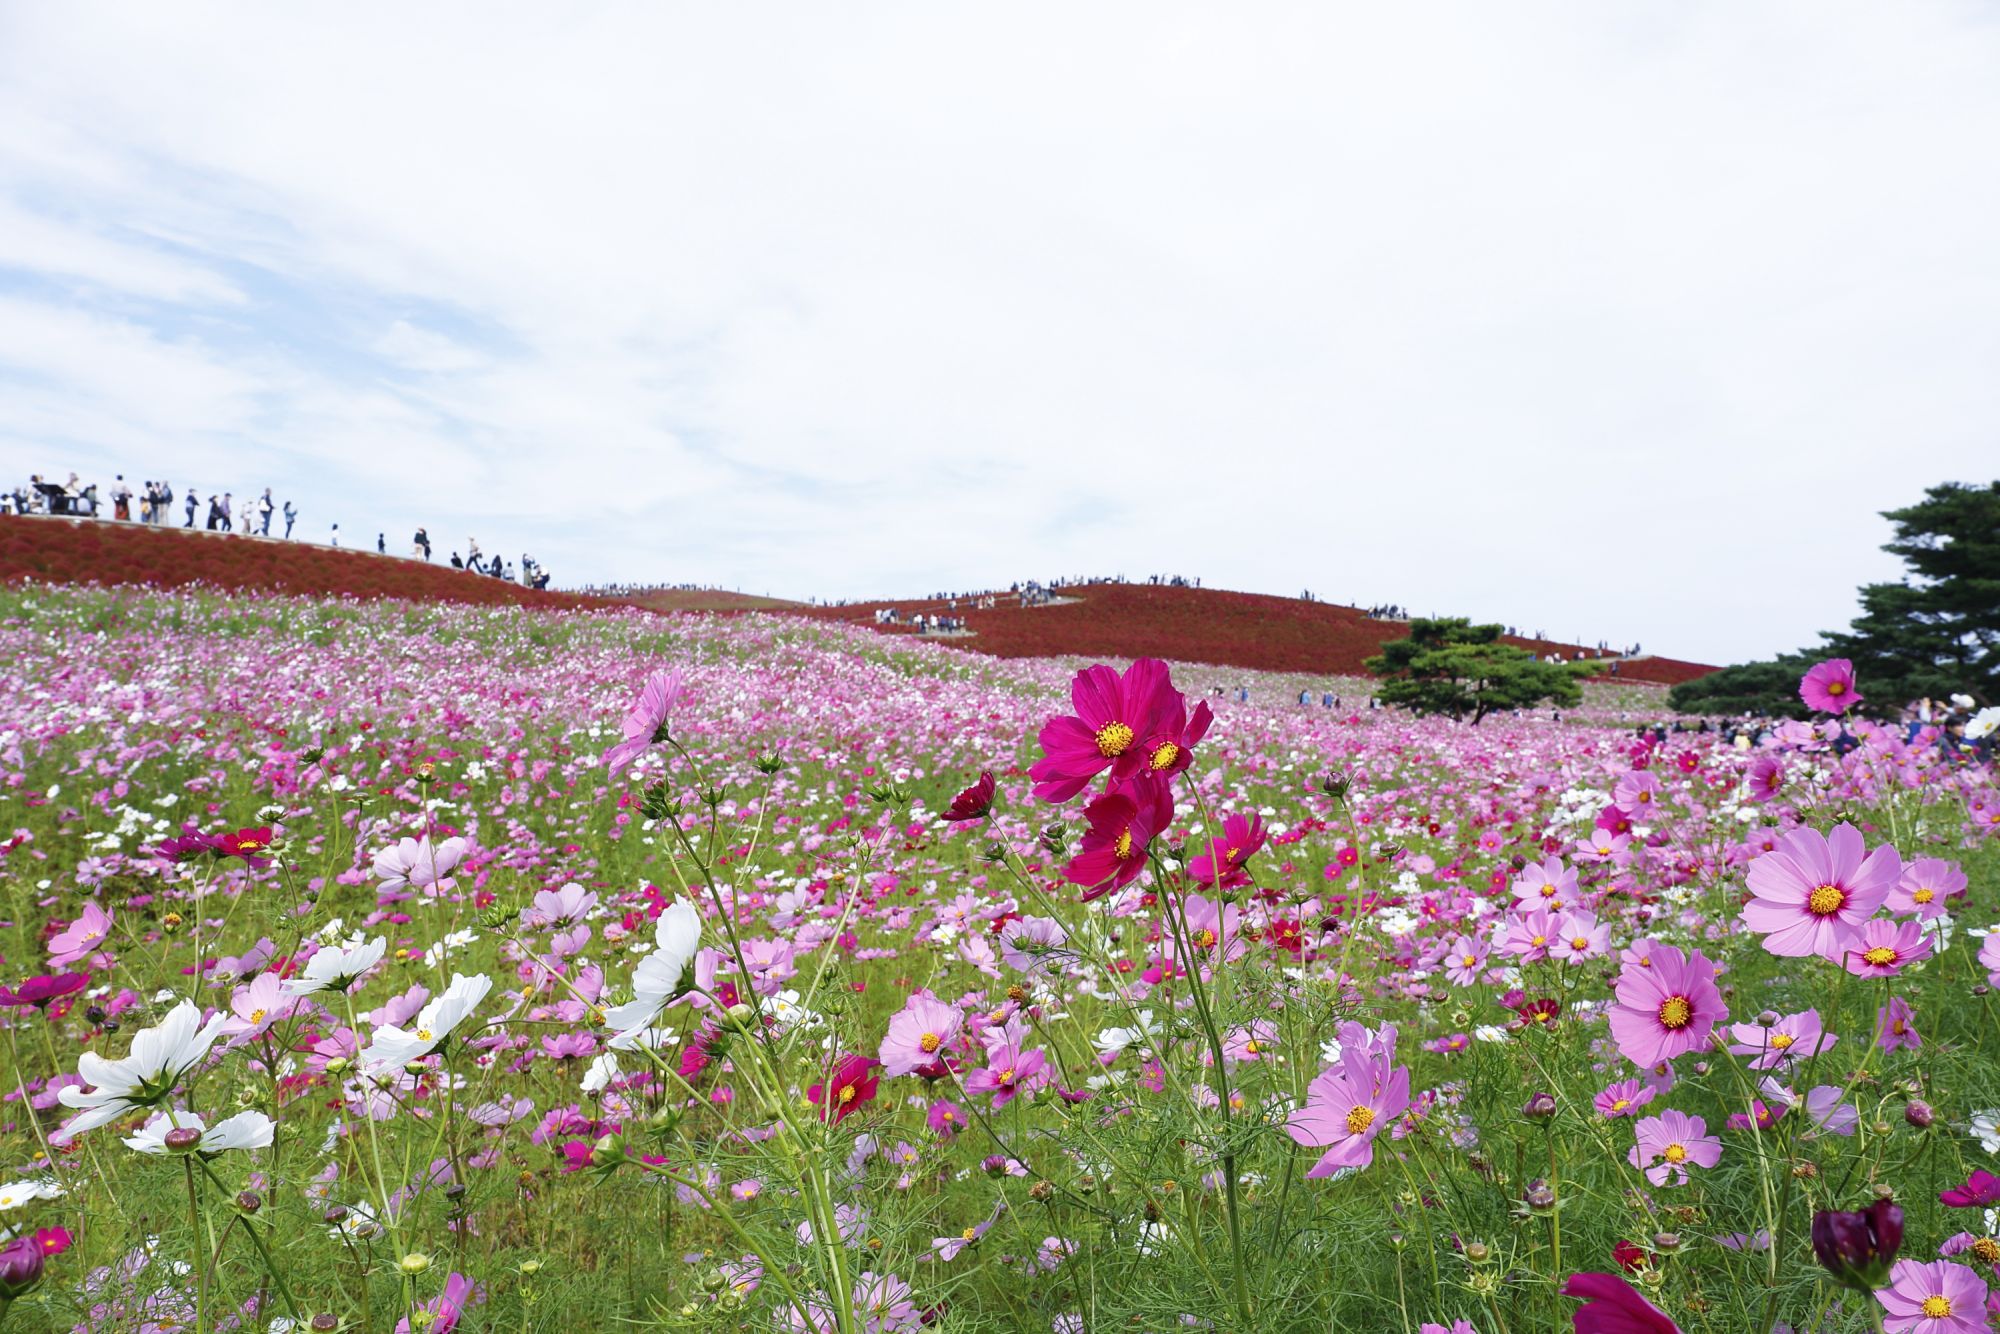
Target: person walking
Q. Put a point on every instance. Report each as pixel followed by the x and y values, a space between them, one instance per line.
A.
pixel 264 508
pixel 381 544
pixel 190 509
pixel 291 516
pixel 214 512
pixel 228 508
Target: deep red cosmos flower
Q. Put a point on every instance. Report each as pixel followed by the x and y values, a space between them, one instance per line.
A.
pixel 45 990
pixel 1120 724
pixel 249 844
pixel 1982 1188
pixel 975 801
pixel 190 844
pixel 853 1085
pixel 1122 823
pixel 1222 864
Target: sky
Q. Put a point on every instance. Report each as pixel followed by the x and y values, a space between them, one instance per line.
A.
pixel 1619 321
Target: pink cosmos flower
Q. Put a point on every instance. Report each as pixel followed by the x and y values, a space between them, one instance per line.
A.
pixel 1924 887
pixel 1667 1005
pixel 1981 1189
pixel 414 862
pixel 1613 1306
pixel 1671 1142
pixel 1349 1104
pixel 918 1034
pixel 1456 1327
pixel 1580 936
pixel 1638 792
pixel 1895 1026
pixel 1793 1037
pixel 1032 945
pixel 1530 934
pixel 645 722
pixel 1935 1298
pixel 1114 717
pixel 1812 894
pixel 1222 864
pixel 80 938
pixel 1767 779
pixel 444 1312
pixel 1829 687
pixel 256 1007
pixel 1465 960
pixel 1121 825
pixel 1213 929
pixel 1624 1098
pixel 1989 958
pixel 44 990
pixel 1550 885
pixel 1886 947
pixel 1009 1072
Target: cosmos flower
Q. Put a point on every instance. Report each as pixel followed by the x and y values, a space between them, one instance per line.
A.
pixel 394 1047
pixel 918 1033
pixel 657 980
pixel 1613 1306
pixel 852 1086
pixel 1925 888
pixel 440 1315
pixel 645 723
pixel 974 801
pixel 45 990
pixel 82 937
pixel 1828 687
pixel 1667 1005
pixel 414 862
pixel 1884 948
pixel 1668 1144
pixel 150 1072
pixel 1222 865
pixel 1935 1298
pixel 333 968
pixel 245 1130
pixel 1811 895
pixel 1121 826
pixel 1794 1037
pixel 1348 1104
pixel 1115 716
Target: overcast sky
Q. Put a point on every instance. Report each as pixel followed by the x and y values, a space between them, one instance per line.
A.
pixel 1613 320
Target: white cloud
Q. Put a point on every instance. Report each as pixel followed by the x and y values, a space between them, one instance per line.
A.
pixel 1615 321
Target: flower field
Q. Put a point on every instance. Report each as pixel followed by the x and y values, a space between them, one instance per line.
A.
pixel 390 966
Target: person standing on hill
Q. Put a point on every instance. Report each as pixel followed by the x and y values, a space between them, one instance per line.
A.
pixel 190 509
pixel 422 542
pixel 291 517
pixel 121 500
pixel 336 535
pixel 214 512
pixel 381 544
pixel 228 511
pixel 264 508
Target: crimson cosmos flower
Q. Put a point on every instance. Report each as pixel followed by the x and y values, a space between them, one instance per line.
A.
pixel 249 844
pixel 45 990
pixel 1982 1188
pixel 1121 723
pixel 853 1085
pixel 1122 823
pixel 975 801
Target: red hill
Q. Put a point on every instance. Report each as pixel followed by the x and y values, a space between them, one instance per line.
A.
pixel 85 551
pixel 1251 630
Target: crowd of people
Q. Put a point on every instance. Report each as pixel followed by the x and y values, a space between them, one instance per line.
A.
pixel 154 503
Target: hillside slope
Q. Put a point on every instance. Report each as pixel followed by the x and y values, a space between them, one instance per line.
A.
pixel 1251 630
pixel 87 551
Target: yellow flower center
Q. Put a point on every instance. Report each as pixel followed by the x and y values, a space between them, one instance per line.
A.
pixel 1539 941
pixel 1935 1307
pixel 1122 849
pixel 1880 957
pixel 970 1234
pixel 1826 901
pixel 1782 1040
pixel 1548 891
pixel 1676 1153
pixel 1007 1075
pixel 929 1042
pixel 1837 689
pixel 1205 938
pixel 1165 754
pixel 1621 1104
pixel 1359 1119
pixel 1252 1047
pixel 1923 895
pixel 1469 960
pixel 1676 1012
pixel 1988 1250
pixel 1113 739
pixel 1579 942
pixel 424 1033
pixel 847 1093
pixel 257 1016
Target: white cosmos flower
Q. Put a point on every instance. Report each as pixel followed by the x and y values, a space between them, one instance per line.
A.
pixel 245 1130
pixel 395 1047
pixel 332 968
pixel 1984 723
pixel 657 979
pixel 17 1193
pixel 601 1072
pixel 158 1059
pixel 1118 1039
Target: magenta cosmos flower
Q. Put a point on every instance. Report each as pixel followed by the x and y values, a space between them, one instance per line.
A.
pixel 45 990
pixel 1670 1143
pixel 1613 1306
pixel 851 1088
pixel 1222 865
pixel 1935 1298
pixel 1116 717
pixel 645 722
pixel 1348 1105
pixel 1667 1005
pixel 441 1315
pixel 1122 824
pixel 1812 893
pixel 918 1033
pixel 1981 1189
pixel 1829 687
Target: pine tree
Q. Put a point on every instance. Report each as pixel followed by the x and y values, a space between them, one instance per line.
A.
pixel 1449 665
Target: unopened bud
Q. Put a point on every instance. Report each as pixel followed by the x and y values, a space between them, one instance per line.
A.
pixel 249 1201
pixel 416 1262
pixel 1540 1107
pixel 182 1139
pixel 1919 1114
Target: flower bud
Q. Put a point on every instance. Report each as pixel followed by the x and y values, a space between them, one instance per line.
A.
pixel 416 1262
pixel 1666 1242
pixel 1540 1107
pixel 1919 1114
pixel 249 1201
pixel 1857 1246
pixel 325 1322
pixel 20 1267
pixel 182 1139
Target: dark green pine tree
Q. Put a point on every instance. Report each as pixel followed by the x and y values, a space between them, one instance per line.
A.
pixel 1451 666
pixel 1937 631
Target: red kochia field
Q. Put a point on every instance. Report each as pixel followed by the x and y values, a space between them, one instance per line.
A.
pixel 1251 630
